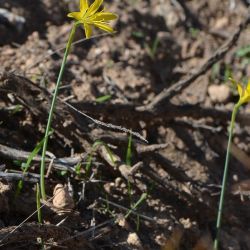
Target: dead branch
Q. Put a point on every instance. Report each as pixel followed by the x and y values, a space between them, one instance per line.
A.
pixel 167 93
pixel 125 112
pixel 28 177
pixel 58 163
pixel 36 100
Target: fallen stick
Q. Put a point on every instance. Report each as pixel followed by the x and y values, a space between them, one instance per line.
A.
pixel 66 163
pixel 27 177
pixel 168 93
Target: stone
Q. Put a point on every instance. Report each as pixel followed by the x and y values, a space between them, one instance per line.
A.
pixel 62 198
pixel 219 93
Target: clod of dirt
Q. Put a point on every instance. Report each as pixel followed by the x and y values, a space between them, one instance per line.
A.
pixel 219 93
pixel 221 23
pixel 12 19
pixel 4 205
pixel 134 240
pixel 242 187
pixel 186 222
pixel 204 243
pixel 171 16
pixel 62 198
pixel 174 241
pixel 122 222
pixel 109 187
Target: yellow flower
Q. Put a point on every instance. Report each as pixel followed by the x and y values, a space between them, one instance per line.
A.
pixel 244 92
pixel 89 16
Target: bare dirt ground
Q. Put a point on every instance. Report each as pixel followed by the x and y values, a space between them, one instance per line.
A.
pixel 166 71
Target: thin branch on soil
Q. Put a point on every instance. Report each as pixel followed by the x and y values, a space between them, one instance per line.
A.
pixel 15 154
pixel 107 125
pixel 151 148
pixel 220 145
pixel 90 230
pixel 66 163
pixel 127 209
pixel 164 113
pixel 26 90
pixel 28 177
pixel 11 82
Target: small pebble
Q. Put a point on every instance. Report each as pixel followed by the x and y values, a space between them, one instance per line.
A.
pixel 62 198
pixel 134 240
pixel 219 93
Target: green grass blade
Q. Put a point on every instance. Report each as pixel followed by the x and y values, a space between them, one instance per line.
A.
pixel 38 204
pixel 129 151
pixel 103 98
pixel 27 164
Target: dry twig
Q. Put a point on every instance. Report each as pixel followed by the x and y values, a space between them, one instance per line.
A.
pixel 167 93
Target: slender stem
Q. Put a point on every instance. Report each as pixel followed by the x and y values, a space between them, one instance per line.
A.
pixel 225 174
pixel 38 204
pixel 52 108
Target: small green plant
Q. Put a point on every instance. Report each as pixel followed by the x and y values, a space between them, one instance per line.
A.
pixel 152 50
pixel 88 16
pixel 138 34
pixel 78 168
pixel 128 163
pixel 194 32
pixel 244 93
pixel 107 209
pixel 63 172
pixel 129 151
pixel 215 71
pixel 15 109
pixel 134 206
pixel 223 72
pixel 26 166
pixel 143 196
pixel 244 54
pixel 137 204
pixel 103 99
pixel 227 72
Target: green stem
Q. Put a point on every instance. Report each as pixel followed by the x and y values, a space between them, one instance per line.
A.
pixel 225 174
pixel 38 204
pixel 52 108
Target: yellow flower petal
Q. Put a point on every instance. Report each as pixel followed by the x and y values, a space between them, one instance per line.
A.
pixel 88 30
pixel 84 5
pixel 105 16
pixel 244 93
pixel 248 86
pixel 247 94
pixel 104 26
pixel 94 7
pixel 90 15
pixel 75 15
